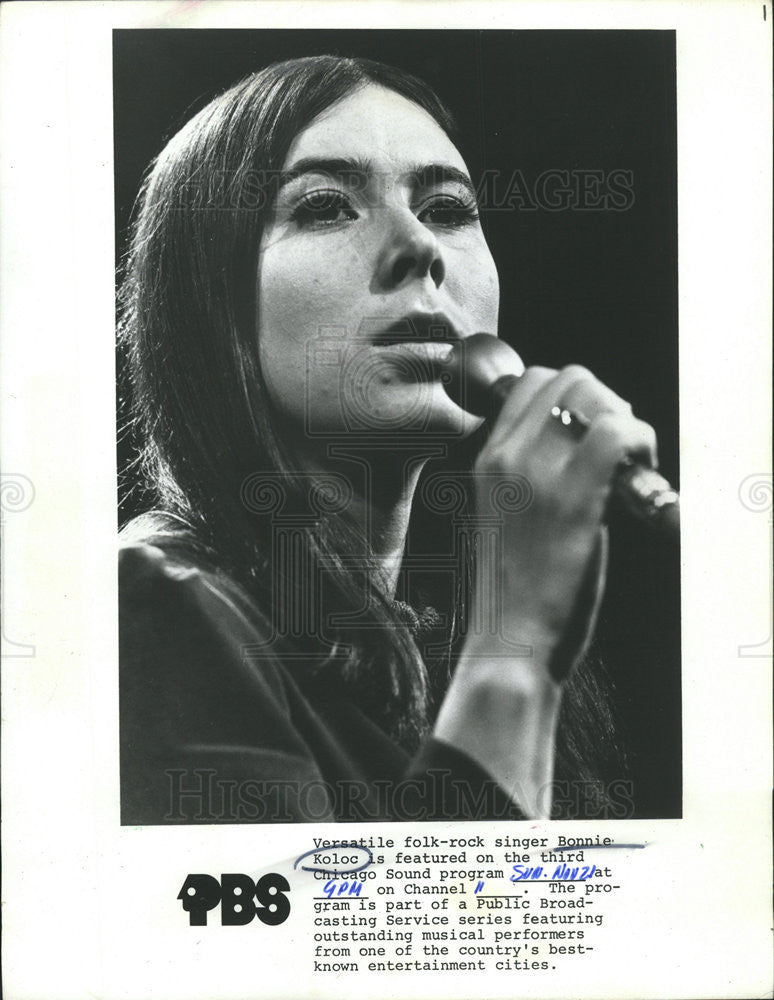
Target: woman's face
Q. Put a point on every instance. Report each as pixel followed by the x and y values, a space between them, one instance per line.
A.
pixel 373 262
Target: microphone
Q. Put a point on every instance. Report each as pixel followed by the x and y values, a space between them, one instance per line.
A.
pixel 480 373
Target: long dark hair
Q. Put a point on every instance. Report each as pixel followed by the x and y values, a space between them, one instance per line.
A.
pixel 212 455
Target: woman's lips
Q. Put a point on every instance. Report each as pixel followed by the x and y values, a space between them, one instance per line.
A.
pixel 435 349
pixel 419 327
pixel 424 358
pixel 425 336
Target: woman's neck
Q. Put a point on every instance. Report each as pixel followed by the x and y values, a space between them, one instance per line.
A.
pixel 383 486
pixel 386 527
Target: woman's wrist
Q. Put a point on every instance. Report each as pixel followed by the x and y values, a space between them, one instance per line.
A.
pixel 502 712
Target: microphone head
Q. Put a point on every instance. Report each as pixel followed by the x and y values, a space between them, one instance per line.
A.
pixel 473 366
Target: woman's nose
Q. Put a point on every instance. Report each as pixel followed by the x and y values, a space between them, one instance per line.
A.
pixel 410 250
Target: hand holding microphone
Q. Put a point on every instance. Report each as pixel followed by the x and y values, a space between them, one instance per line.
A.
pixel 481 373
pixel 539 570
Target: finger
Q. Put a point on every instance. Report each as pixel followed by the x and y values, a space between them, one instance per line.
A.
pixel 589 397
pixel 585 398
pixel 611 439
pixel 519 400
pixel 535 420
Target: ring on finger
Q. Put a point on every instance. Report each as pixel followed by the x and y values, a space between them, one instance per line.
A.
pixel 573 420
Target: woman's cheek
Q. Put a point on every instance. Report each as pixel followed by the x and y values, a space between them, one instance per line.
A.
pixel 473 284
pixel 299 316
pixel 487 291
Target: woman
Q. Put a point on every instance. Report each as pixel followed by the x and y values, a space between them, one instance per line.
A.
pixel 306 251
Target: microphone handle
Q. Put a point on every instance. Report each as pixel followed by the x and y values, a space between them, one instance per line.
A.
pixel 637 489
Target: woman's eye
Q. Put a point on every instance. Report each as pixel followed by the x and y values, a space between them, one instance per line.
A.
pixel 323 208
pixel 449 211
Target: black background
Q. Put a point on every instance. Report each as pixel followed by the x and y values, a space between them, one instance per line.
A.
pixel 597 288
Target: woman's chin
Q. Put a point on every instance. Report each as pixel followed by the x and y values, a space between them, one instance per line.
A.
pixel 396 411
pixel 408 409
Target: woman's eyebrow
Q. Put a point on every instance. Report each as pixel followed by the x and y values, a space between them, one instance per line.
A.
pixel 356 170
pixel 429 174
pixel 349 169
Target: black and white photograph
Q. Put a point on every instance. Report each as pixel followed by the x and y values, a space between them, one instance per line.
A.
pixel 386 499
pixel 347 592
